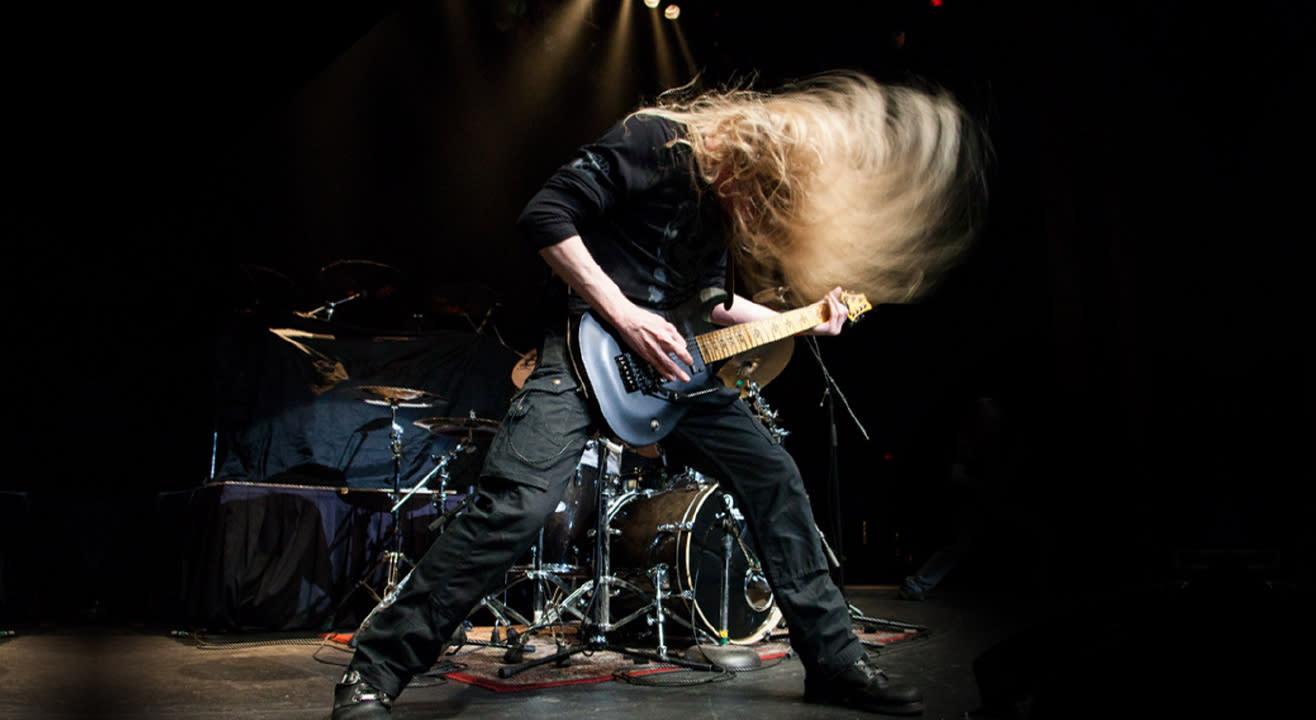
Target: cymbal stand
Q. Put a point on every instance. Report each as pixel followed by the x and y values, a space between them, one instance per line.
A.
pixel 392 559
pixel 441 470
pixel 330 305
pixel 600 588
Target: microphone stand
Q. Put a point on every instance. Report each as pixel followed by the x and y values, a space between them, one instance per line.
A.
pixel 729 657
pixel 833 500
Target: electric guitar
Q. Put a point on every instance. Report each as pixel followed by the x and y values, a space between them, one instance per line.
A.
pixel 639 407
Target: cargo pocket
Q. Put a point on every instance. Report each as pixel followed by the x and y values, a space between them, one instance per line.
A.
pixel 544 425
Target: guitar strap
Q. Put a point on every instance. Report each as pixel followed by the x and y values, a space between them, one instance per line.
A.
pixel 582 384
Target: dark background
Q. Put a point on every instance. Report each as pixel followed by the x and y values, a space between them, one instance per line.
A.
pixel 1138 304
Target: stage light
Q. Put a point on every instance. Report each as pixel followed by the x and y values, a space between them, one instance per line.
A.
pixel 672 12
pixel 651 3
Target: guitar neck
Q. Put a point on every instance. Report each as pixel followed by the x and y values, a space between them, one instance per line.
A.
pixel 724 342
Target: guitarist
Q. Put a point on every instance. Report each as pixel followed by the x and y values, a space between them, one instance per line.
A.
pixel 837 180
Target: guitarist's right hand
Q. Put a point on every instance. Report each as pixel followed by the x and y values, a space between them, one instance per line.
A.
pixel 647 333
pixel 654 339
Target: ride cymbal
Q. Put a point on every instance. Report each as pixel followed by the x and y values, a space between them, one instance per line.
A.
pixel 359 277
pixel 760 365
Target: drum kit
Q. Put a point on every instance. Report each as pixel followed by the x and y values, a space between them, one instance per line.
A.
pixel 633 543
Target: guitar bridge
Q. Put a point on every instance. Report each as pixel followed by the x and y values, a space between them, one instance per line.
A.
pixel 636 376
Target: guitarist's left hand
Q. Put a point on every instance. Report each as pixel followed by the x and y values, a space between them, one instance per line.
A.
pixel 837 314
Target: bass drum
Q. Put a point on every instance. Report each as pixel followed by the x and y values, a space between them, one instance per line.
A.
pixel 684 529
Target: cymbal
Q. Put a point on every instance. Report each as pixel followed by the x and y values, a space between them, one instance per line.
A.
pixel 363 277
pixel 777 298
pixel 457 425
pixel 257 285
pixel 472 299
pixel 523 367
pixel 397 396
pixel 760 365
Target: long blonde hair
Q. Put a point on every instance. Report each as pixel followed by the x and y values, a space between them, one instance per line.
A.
pixel 837 179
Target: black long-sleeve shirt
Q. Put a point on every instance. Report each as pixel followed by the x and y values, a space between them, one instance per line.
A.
pixel 635 200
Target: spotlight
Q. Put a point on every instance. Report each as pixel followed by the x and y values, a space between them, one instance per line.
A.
pixel 651 3
pixel 672 12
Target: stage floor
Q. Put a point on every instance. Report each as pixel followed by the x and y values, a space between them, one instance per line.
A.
pixel 1094 654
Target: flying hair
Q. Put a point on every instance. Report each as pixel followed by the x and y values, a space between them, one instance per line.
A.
pixel 837 179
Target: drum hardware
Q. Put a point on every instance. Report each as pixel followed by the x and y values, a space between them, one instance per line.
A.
pixel 460 638
pixel 393 559
pixel 754 397
pixel 465 430
pixel 330 305
pixel 543 574
pixel 544 615
pixel 447 515
pixel 600 589
pixel 658 576
pixel 441 470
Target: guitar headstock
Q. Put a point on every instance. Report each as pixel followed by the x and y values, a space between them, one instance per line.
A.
pixel 856 304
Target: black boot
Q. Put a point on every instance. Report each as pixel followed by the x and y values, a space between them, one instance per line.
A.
pixel 356 699
pixel 864 687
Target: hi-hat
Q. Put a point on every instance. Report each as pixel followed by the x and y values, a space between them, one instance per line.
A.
pixel 397 396
pixel 759 365
pixel 457 425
